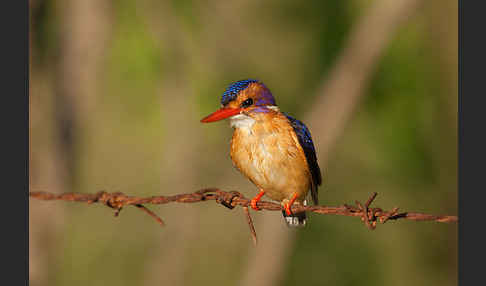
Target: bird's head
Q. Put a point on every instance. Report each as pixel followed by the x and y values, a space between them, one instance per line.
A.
pixel 243 97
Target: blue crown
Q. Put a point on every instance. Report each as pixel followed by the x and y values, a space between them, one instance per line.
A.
pixel 233 89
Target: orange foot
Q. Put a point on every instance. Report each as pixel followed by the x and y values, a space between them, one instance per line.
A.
pixel 254 201
pixel 288 205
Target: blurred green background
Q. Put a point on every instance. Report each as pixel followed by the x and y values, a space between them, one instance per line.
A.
pixel 117 89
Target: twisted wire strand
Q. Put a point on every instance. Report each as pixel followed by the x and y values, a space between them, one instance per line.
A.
pixel 117 200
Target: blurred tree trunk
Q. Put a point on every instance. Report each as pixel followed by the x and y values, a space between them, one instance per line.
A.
pixel 83 35
pixel 58 110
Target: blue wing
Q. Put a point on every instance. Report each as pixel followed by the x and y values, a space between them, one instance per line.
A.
pixel 306 143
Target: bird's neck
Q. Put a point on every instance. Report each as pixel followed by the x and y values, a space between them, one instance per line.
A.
pixel 242 121
pixel 246 121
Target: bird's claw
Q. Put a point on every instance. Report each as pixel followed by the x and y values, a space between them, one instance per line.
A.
pixel 254 201
pixel 287 209
pixel 287 204
pixel 253 204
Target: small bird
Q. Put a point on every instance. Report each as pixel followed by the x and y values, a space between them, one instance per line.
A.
pixel 272 149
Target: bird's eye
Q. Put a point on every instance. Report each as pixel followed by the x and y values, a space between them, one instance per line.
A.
pixel 247 102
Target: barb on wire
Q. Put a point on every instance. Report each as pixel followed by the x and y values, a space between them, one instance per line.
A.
pixel 370 216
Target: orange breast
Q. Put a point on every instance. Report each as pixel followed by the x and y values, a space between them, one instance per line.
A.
pixel 269 154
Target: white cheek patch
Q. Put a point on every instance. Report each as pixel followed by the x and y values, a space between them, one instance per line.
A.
pixel 241 121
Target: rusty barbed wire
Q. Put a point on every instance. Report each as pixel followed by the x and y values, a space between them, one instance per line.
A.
pixel 118 200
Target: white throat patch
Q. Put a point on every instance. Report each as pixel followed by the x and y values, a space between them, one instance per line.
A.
pixel 241 121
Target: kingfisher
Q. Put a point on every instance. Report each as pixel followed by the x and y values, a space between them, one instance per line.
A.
pixel 271 148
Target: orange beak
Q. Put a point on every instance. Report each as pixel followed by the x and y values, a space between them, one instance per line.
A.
pixel 221 114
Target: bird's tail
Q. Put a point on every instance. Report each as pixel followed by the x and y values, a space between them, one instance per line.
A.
pixel 295 220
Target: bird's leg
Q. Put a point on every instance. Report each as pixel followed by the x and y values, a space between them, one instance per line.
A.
pixel 253 202
pixel 288 205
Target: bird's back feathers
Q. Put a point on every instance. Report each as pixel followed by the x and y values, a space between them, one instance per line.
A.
pixel 305 140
